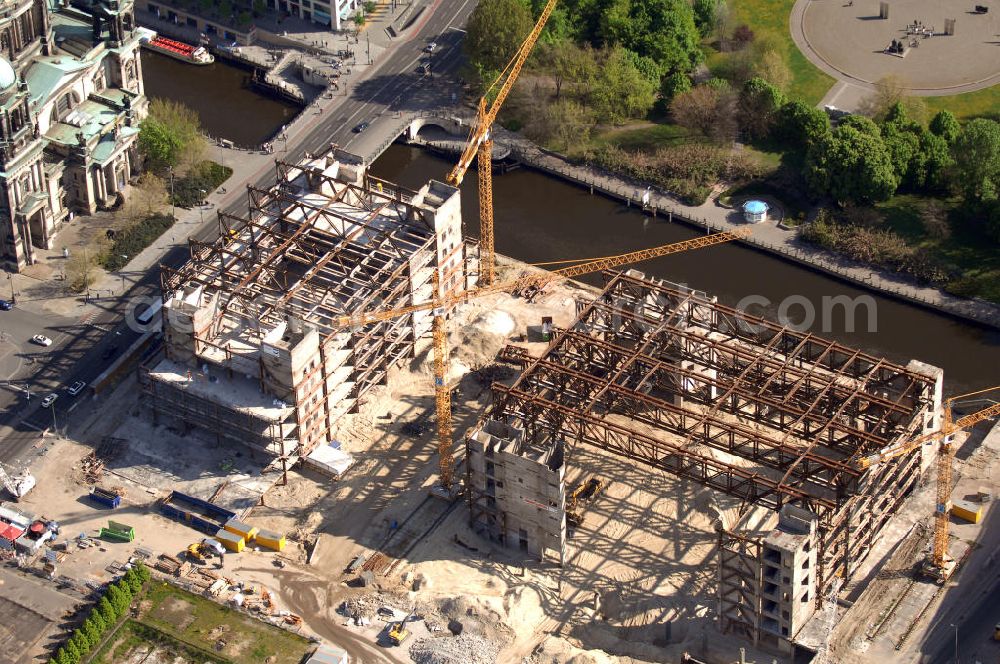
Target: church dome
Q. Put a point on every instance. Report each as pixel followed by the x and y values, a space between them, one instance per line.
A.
pixel 7 75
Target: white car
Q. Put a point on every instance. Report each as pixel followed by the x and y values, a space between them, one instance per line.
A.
pixel 431 47
pixel 41 340
pixel 49 400
pixel 76 388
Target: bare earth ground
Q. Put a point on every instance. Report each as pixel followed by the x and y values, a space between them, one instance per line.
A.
pixel 638 581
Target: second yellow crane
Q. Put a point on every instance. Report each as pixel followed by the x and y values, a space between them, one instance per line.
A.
pixel 939 564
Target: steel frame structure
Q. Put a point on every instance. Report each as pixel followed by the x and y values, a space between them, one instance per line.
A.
pixel 659 374
pixel 318 249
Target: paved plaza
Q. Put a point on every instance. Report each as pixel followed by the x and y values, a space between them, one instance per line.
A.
pixel 847 40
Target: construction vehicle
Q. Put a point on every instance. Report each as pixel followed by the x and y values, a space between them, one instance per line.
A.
pixel 585 492
pixel 439 304
pixel 398 632
pixel 480 145
pixel 19 485
pixel 205 549
pixel 939 565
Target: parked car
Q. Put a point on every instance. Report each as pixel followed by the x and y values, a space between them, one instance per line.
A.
pixel 109 352
pixel 41 340
pixel 360 127
pixel 76 388
pixel 49 400
pixel 430 48
pixel 6 305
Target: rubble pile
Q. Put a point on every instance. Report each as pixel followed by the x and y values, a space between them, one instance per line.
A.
pixel 461 649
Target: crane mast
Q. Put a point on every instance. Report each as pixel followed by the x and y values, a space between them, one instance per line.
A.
pixel 939 564
pixel 480 146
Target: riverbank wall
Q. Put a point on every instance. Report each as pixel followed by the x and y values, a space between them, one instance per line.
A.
pixel 766 236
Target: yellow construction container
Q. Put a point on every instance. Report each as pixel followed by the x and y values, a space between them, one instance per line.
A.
pixel 244 530
pixel 231 541
pixel 967 511
pixel 270 540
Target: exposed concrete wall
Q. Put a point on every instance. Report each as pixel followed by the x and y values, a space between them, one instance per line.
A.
pixel 524 488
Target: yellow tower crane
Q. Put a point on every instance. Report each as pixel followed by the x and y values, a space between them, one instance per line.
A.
pixel 440 304
pixel 939 564
pixel 480 145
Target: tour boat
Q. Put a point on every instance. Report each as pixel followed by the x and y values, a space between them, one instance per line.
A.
pixel 195 55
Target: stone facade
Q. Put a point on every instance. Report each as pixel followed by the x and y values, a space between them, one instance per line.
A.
pixel 71 97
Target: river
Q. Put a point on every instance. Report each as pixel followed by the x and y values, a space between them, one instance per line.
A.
pixel 226 107
pixel 540 218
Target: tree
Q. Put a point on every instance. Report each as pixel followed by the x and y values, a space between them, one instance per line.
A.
pixel 742 36
pixel 81 270
pixel 945 125
pixel 142 572
pixel 134 582
pixel 977 155
pixel 705 108
pixel 801 125
pixel 359 19
pixel 851 165
pixel 119 600
pixel 662 30
pixel 566 62
pixel 369 6
pixel 494 32
pixel 107 611
pixel 168 130
pixel 889 91
pixel 72 652
pixel 771 67
pixel 673 85
pixel 80 642
pixel 91 631
pixel 259 8
pixel 621 90
pixel 759 105
pixel 561 124
pixel 705 12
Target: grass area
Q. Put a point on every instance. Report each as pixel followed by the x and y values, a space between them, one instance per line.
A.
pixel 770 17
pixel 972 255
pixel 192 627
pixel 130 242
pixel 983 103
pixel 644 137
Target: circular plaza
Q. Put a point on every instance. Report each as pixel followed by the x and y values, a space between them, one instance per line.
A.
pixel 932 47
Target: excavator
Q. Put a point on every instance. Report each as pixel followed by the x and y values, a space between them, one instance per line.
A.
pixel 398 632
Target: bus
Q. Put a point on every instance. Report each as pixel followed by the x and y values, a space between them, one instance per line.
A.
pixel 150 311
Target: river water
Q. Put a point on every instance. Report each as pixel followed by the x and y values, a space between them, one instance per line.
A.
pixel 226 107
pixel 540 218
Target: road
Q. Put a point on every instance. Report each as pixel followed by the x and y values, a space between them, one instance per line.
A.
pixel 972 605
pixel 83 348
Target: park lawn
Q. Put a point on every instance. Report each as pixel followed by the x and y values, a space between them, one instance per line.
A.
pixel 644 137
pixel 809 84
pixel 200 622
pixel 982 103
pixel 972 254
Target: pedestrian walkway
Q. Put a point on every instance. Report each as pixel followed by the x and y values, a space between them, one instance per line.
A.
pixel 715 217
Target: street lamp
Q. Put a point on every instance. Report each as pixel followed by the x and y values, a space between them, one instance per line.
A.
pixel 956 642
pixel 201 208
pixel 122 274
pixel 173 210
pixel 53 407
pixel 10 278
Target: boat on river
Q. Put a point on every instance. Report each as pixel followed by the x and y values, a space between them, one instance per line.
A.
pixel 195 55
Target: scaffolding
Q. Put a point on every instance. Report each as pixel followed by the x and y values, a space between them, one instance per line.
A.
pixel 668 377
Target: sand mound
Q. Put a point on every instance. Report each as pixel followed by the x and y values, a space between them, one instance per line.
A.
pixel 495 321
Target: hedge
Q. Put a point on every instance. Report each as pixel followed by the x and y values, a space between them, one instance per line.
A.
pixel 132 241
pixel 103 616
pixel 206 176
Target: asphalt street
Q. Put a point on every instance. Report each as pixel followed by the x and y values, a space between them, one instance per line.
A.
pixel 83 348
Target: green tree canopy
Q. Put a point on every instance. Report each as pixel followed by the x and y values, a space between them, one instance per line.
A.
pixel 977 154
pixel 850 164
pixel 621 90
pixel 945 125
pixel 565 62
pixel 673 85
pixel 165 134
pixel 495 30
pixel 705 12
pixel 861 123
pixel 759 105
pixel 662 30
pixel 801 125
